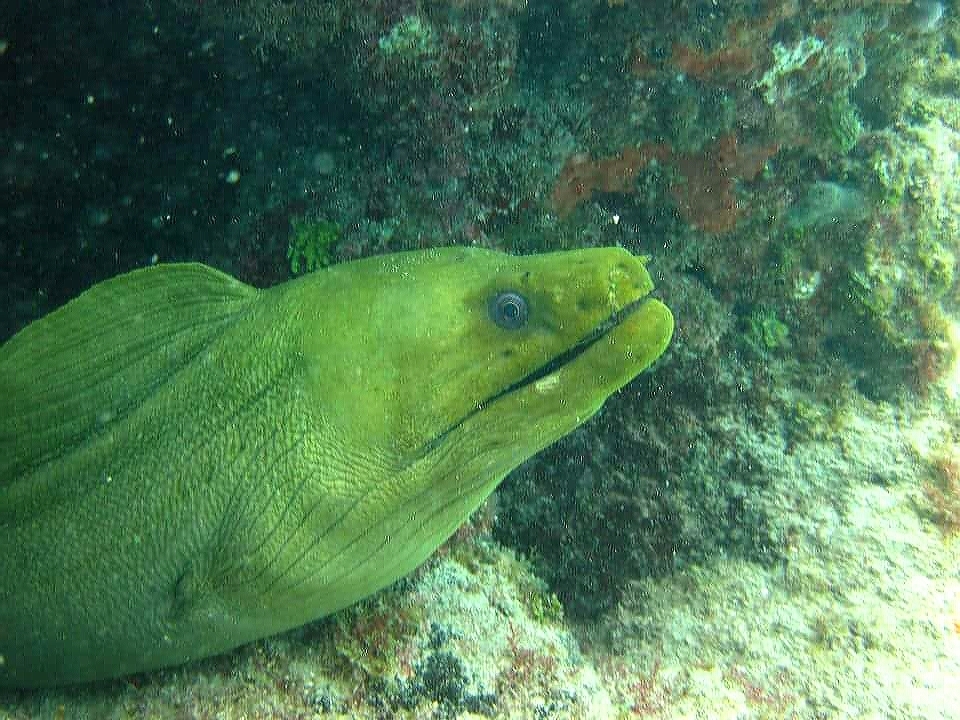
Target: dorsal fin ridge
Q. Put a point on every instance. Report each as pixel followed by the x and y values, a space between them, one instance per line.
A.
pixel 89 362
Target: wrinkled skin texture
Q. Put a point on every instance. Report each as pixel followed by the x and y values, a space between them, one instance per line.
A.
pixel 188 464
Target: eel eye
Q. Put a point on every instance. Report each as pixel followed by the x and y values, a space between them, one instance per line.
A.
pixel 509 310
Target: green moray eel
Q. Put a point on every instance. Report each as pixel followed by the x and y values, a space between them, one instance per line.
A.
pixel 188 463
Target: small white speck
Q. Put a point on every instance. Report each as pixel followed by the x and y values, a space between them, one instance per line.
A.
pixel 547 384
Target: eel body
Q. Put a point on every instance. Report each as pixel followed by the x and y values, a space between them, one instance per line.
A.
pixel 188 463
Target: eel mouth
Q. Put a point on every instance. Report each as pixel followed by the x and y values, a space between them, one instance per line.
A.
pixel 568 355
pixel 551 366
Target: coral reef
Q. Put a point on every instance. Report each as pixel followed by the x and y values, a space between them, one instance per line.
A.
pixel 312 245
pixel 841 270
pixel 704 190
pixel 942 489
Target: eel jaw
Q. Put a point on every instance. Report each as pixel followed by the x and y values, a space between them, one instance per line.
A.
pixel 570 354
pixel 546 377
